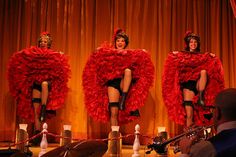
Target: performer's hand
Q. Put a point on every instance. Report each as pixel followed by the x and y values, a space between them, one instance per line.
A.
pixel 211 54
pixel 144 50
pixel 99 48
pixel 175 52
pixel 185 145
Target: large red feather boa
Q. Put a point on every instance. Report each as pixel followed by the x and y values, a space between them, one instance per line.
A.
pixel 181 67
pixel 36 65
pixel 107 63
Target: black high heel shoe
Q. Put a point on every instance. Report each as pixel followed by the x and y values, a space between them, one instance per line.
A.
pixel 200 99
pixel 122 101
pixel 135 113
pixel 42 113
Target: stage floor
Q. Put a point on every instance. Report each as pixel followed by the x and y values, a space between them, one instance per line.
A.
pixel 127 151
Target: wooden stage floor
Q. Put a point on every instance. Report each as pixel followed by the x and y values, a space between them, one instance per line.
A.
pixel 127 151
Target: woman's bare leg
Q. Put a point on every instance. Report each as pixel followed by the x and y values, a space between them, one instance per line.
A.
pixel 113 96
pixel 37 123
pixel 114 116
pixel 44 95
pixel 201 85
pixel 125 84
pixel 188 97
pixel 44 98
pixel 126 81
pixel 189 117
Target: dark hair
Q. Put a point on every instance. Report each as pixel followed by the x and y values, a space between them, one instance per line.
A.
pixel 189 35
pixel 119 33
pixel 226 102
pixel 48 36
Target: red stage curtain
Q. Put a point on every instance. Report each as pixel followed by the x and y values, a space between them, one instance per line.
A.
pixel 233 5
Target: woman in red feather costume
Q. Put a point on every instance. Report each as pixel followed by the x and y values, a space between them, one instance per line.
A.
pixel 38 79
pixel 190 82
pixel 116 81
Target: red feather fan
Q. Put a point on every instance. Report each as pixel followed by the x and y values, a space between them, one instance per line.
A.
pixel 108 63
pixel 184 66
pixel 36 65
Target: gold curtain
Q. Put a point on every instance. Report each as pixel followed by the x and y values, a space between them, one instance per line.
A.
pixel 79 26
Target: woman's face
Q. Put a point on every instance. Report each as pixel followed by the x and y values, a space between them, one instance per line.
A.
pixel 44 42
pixel 192 45
pixel 120 43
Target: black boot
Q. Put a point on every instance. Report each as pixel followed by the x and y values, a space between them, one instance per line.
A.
pixel 200 99
pixel 42 113
pixel 208 116
pixel 135 113
pixel 122 101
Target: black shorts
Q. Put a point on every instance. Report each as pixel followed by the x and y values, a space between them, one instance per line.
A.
pixel 38 86
pixel 191 85
pixel 115 83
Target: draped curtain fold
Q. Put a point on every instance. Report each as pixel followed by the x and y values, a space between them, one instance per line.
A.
pixel 233 5
pixel 79 26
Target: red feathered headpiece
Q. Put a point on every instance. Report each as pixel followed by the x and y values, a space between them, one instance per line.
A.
pixel 188 36
pixel 48 36
pixel 45 33
pixel 120 33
